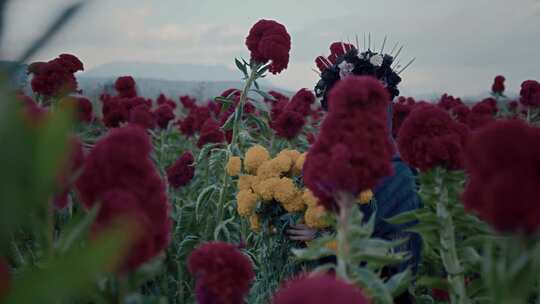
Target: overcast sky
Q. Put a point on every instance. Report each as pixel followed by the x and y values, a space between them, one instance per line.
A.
pixel 460 45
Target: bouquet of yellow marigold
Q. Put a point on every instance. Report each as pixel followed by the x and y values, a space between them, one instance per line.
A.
pixel 271 188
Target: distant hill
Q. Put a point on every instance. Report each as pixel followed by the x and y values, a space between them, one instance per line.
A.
pixel 176 72
pixel 150 88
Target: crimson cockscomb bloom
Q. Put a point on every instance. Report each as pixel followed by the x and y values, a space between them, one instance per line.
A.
pixel 461 113
pixel 53 79
pixel 5 278
pixel 268 40
pixel 188 102
pixel 223 273
pixel 503 163
pixel 211 133
pixel 120 175
pixel 430 138
pixel 126 87
pixel 187 126
pixel 114 111
pixel 322 63
pixel 400 111
pixel 143 117
pixel 530 93
pixel 498 85
pixel 448 102
pixel 289 124
pixel 162 99
pixel 84 109
pixel 513 106
pixel 301 102
pixel 71 63
pixel 319 289
pixel 353 149
pixel 164 114
pixel 182 171
pixel 482 113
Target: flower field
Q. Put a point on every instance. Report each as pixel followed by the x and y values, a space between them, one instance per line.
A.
pixel 347 193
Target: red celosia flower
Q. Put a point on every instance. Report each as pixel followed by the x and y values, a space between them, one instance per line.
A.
pixel 182 171
pixel 187 101
pixel 301 102
pixel 114 112
pixel 142 116
pixel 319 289
pixel 482 113
pixel 84 109
pixel 55 78
pixel 461 113
pixel 187 126
pixel 162 99
pixel 269 41
pixel 449 102
pixel 164 115
pixel 71 63
pixel 311 138
pixel 210 133
pixel 5 278
pixel 353 149
pixel 503 162
pixel 498 85
pixel 322 63
pixel 125 86
pixel 68 172
pixel 231 93
pixel 223 273
pixel 513 106
pixel 289 124
pixel 530 93
pixel 430 138
pixel 339 49
pixel 400 111
pixel 120 175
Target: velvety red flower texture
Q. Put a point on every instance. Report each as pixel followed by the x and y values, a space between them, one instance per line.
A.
pixel 55 78
pixel 461 113
pixel 449 102
pixel 143 117
pixel 530 93
pixel 339 49
pixel 400 111
pixel 288 117
pixel 430 138
pixel 211 133
pixel 162 99
pixel 503 163
pixel 223 273
pixel 319 289
pixel 120 175
pixel 126 87
pixel 164 114
pixel 498 85
pixel 182 171
pixel 482 113
pixel 353 149
pixel 268 40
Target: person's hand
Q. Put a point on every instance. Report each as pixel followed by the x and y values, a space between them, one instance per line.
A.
pixel 301 233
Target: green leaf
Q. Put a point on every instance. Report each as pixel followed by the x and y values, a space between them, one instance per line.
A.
pixel 264 94
pixel 242 67
pixel 398 283
pixel 229 123
pixel 371 283
pixel 70 274
pixel 433 282
pixel 77 230
pixel 203 198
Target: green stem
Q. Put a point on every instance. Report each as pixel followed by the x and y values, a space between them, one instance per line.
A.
pixel 448 249
pixel 243 99
pixel 345 202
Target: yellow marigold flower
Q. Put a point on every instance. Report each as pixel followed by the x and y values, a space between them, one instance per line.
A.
pixel 255 156
pixel 309 199
pixel 315 217
pixel 267 170
pixel 365 197
pixel 295 205
pixel 332 245
pixel 282 163
pixel 292 154
pixel 299 163
pixel 284 190
pixel 246 182
pixel 255 222
pixel 265 188
pixel 246 201
pixel 234 166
